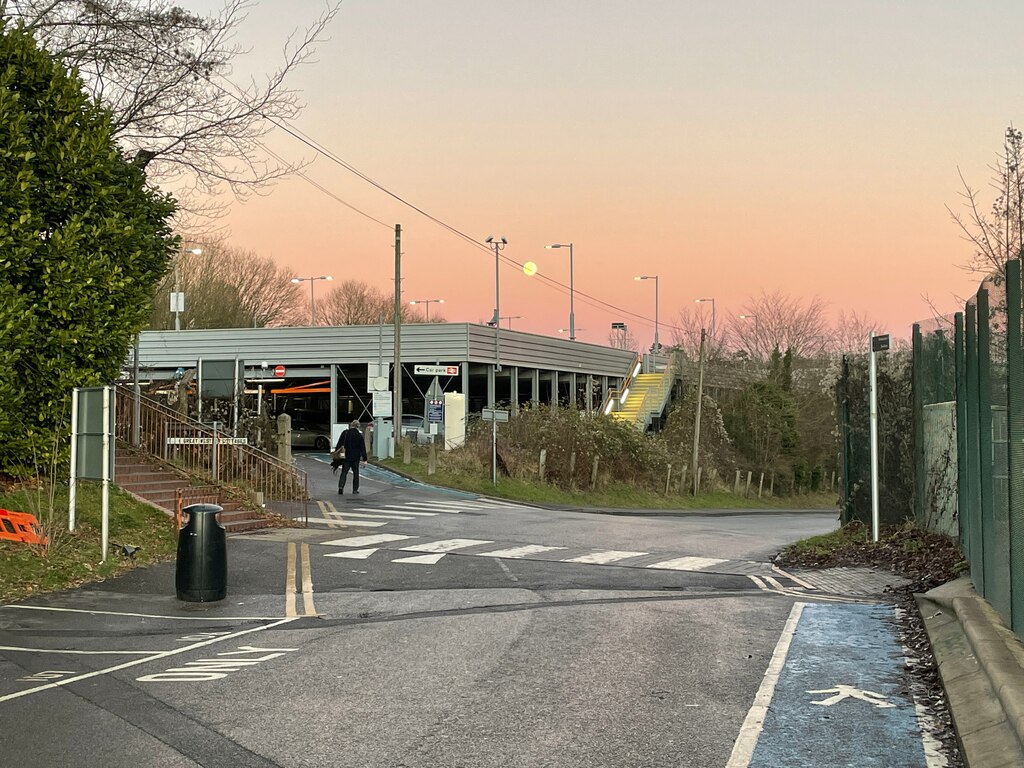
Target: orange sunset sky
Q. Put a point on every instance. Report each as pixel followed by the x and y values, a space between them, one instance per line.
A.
pixel 804 146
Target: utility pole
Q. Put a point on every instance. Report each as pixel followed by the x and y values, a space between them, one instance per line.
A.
pixel 696 418
pixel 397 388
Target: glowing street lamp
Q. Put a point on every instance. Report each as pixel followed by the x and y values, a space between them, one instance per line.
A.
pixel 427 303
pixel 311 280
pixel 657 344
pixel 702 301
pixel 757 330
pixel 572 313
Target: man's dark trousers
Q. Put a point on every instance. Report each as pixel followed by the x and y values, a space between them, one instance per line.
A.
pixel 345 466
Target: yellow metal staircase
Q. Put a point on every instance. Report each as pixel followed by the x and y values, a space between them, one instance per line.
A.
pixel 643 399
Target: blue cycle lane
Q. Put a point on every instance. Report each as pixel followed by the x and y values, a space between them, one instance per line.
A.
pixel 835 693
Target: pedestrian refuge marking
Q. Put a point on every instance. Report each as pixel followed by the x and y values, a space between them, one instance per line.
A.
pixel 601 558
pixel 687 563
pixel 518 552
pixel 421 559
pixel 366 541
pixel 353 554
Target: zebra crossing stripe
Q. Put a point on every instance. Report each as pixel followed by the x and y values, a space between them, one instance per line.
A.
pixel 420 559
pixel 445 545
pixel 353 554
pixel 366 541
pixel 687 563
pixel 517 552
pixel 396 509
pixel 601 558
pixel 333 522
pixel 379 516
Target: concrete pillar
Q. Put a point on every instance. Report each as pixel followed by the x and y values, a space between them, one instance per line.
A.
pixel 465 381
pixel 590 394
pixel 554 389
pixel 535 387
pixel 513 382
pixel 573 391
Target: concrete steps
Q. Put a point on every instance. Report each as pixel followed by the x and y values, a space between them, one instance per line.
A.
pixel 159 485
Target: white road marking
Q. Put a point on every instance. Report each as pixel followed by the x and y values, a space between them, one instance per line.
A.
pixel 143 615
pixel 84 653
pixel 339 523
pixel 366 541
pixel 397 509
pixel 505 568
pixel 517 552
pixel 332 518
pixel 353 554
pixel 760 584
pixel 788 575
pixel 688 563
pixel 307 582
pixel 424 507
pixel 380 515
pixel 774 582
pixel 421 559
pixel 445 504
pixel 607 556
pixel 136 662
pixel 743 749
pixel 445 545
pixel 842 692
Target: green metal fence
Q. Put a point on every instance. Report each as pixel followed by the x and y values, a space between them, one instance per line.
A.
pixel 978 377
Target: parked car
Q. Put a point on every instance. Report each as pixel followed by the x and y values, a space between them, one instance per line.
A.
pixel 316 436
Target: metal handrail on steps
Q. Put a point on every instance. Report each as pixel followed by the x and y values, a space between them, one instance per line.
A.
pixel 201 450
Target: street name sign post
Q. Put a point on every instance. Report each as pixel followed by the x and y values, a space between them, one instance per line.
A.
pixel 877 344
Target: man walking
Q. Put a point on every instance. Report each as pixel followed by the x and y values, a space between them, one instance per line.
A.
pixel 353 446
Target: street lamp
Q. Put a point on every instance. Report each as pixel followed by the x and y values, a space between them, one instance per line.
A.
pixel 569 331
pixel 657 344
pixel 178 298
pixel 572 313
pixel 757 329
pixel 497 245
pixel 312 306
pixel 701 301
pixel 427 302
pixel 510 318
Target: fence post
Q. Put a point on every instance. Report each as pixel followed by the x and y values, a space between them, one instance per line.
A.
pixel 543 459
pixel 572 468
pixel 746 491
pixel 696 483
pixel 668 478
pixel 406 452
pixel 593 474
pixel 771 485
pixel 736 485
pixel 682 481
pixel 1015 442
pixel 760 486
pixel 432 459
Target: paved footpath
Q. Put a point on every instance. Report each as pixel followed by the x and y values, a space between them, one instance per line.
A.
pixel 835 694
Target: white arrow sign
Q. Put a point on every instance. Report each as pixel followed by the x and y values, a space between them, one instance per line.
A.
pixel 849 692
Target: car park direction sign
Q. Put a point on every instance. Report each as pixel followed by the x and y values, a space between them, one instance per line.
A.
pixel 435 370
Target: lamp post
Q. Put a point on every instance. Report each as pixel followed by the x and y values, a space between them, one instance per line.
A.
pixel 427 303
pixel 757 330
pixel 572 313
pixel 178 298
pixel 657 344
pixel 510 318
pixel 702 301
pixel 312 306
pixel 497 245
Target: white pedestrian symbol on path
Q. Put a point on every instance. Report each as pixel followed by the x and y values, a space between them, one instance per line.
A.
pixel 849 692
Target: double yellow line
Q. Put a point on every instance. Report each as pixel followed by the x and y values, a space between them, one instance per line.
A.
pixel 293 585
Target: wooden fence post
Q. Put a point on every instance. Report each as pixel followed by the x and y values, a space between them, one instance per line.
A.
pixel 760 486
pixel 572 467
pixel 682 481
pixel 593 475
pixel 543 459
pixel 432 459
pixel 736 485
pixel 750 475
pixel 406 452
pixel 668 479
pixel 696 480
pixel 771 485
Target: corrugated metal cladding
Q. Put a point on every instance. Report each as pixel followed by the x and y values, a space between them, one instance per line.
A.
pixel 421 343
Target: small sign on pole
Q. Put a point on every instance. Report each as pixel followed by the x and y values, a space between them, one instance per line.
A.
pixel 279 371
pixel 877 344
pixel 494 414
pixel 435 370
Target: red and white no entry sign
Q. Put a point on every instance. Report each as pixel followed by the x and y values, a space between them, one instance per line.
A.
pixel 279 371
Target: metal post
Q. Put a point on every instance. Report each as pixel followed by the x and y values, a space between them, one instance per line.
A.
pixel 657 344
pixel 72 484
pixel 572 312
pixel 105 492
pixel 696 418
pixel 137 391
pixel 874 437
pixel 396 406
pixel 312 305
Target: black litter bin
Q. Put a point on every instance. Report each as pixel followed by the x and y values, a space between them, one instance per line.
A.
pixel 202 567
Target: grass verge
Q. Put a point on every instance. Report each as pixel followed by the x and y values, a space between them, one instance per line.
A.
pixel 614 497
pixel 71 559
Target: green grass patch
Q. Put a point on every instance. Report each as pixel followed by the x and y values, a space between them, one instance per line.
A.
pixel 616 496
pixel 828 544
pixel 73 558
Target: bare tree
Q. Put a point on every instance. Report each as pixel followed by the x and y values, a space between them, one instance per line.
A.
pixel 163 72
pixel 784 323
pixel 227 287
pixel 354 302
pixel 686 334
pixel 623 338
pixel 851 332
pixel 997 234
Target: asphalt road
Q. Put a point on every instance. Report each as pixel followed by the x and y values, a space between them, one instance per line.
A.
pixel 414 627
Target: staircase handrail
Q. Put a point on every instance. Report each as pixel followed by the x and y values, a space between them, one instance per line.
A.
pixel 613 393
pixel 241 464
